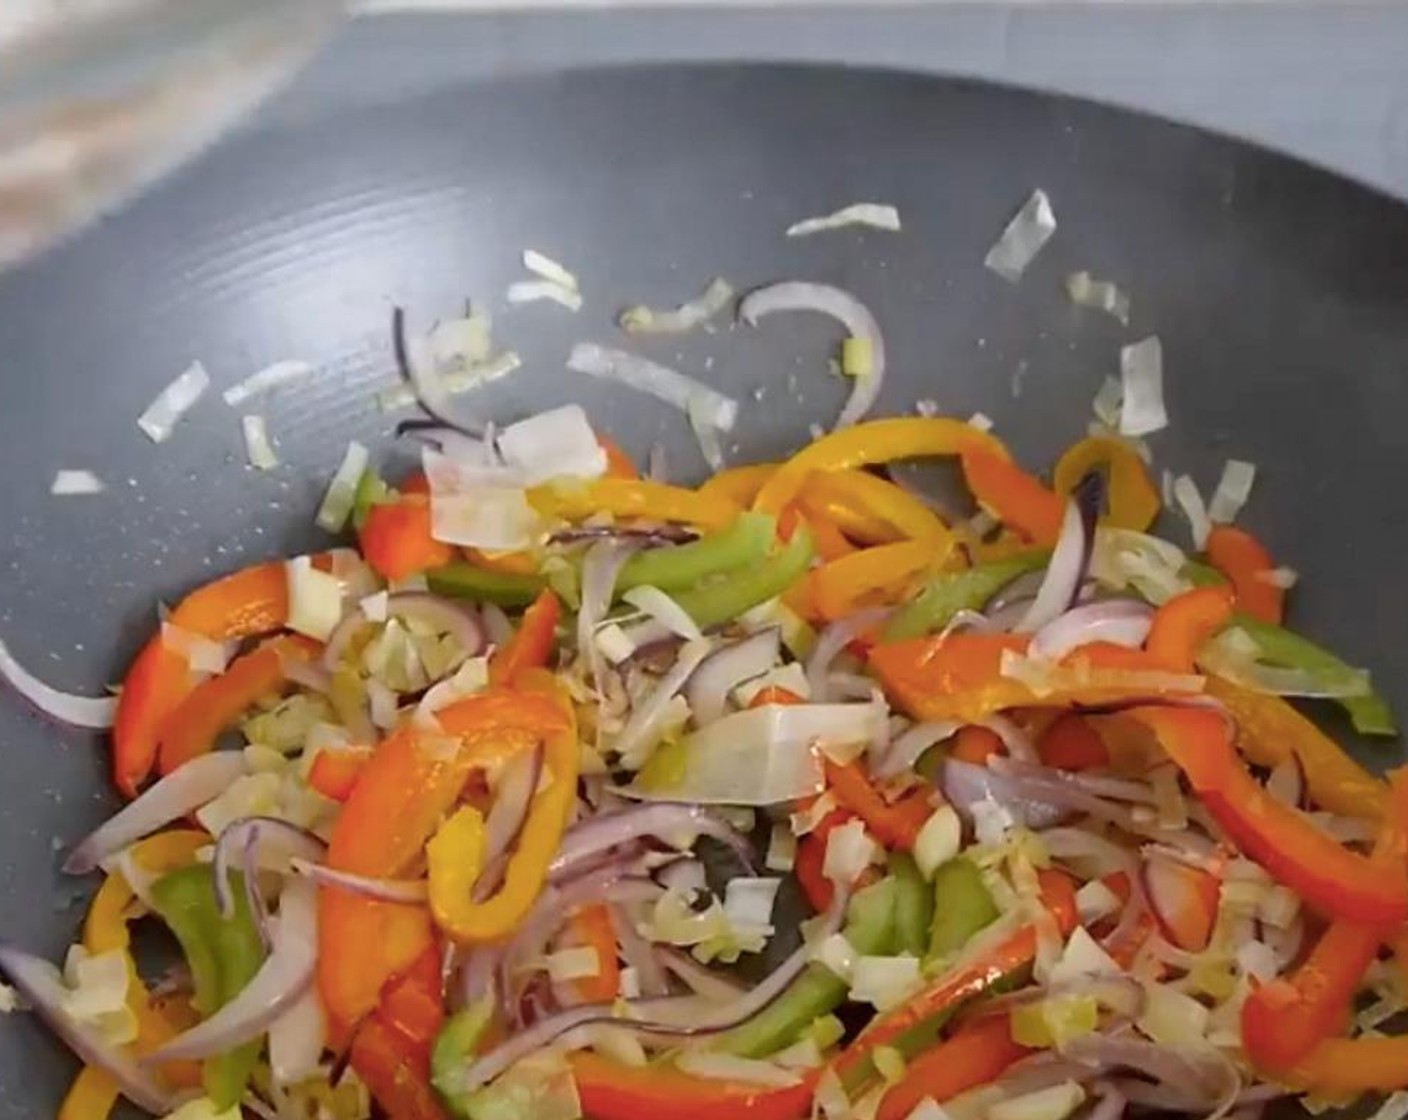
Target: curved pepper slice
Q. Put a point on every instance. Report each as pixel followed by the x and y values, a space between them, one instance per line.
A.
pixel 394 1072
pixel 461 580
pixel 1245 562
pixel 396 540
pixel 739 485
pixel 875 441
pixel 1185 622
pixel 1013 496
pixel 895 826
pixel 531 644
pixel 1133 501
pixel 612 1091
pixel 249 602
pixel 1332 879
pixel 213 705
pixel 728 597
pixel 634 498
pixel 744 542
pixel 870 508
pixel 843 586
pixel 412 780
pixel 950 592
pixel 977 1053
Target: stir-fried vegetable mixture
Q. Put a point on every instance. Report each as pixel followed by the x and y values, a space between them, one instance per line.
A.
pixel 778 797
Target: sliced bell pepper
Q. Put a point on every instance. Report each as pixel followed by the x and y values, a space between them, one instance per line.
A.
pixel 461 1036
pixel 831 543
pixel 1344 1067
pixel 739 485
pixel 975 744
pixel 396 540
pixel 1242 559
pixel 963 906
pixel 1270 731
pixel 395 1072
pixel 1014 497
pixel 977 1053
pixel 950 592
pixel 531 644
pixel 655 501
pixel 894 825
pixel 213 705
pixel 590 926
pixel 1070 743
pixel 519 563
pixel 92 1096
pixel 410 782
pixel 466 920
pixel 1332 879
pixel 461 580
pixel 870 508
pixel 1288 1016
pixel 1185 622
pixel 618 463
pixel 811 857
pixel 843 586
pixel 334 773
pixel 612 1091
pixel 729 596
pixel 1130 493
pixel 743 543
pixel 412 1004
pixel 249 602
pixel 871 443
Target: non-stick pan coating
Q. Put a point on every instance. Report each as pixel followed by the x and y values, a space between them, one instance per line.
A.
pixel 1280 294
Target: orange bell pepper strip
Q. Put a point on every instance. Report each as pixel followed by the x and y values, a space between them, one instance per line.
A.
pixel 739 485
pixel 1184 623
pixel 870 508
pixel 1330 878
pixel 975 744
pixel 411 1004
pixel 843 586
pixel 1014 497
pixel 1344 1067
pixel 531 644
pixel 249 602
pixel 612 1091
pixel 334 773
pixel 965 980
pixel 1130 493
pixel 1287 1017
pixel 1269 731
pixel 831 543
pixel 818 503
pixel 1245 562
pixel 395 1071
pixel 396 539
pixel 1070 743
pixel 618 463
pixel 871 443
pixel 977 1053
pixel 411 781
pixel 590 926
pixel 895 826
pixel 213 705
pixel 634 498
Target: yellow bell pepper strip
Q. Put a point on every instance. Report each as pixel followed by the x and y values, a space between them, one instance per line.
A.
pixel 1285 1018
pixel 1016 498
pixel 831 543
pixel 625 498
pixel 1130 494
pixel 724 599
pixel 1184 623
pixel 453 859
pixel 1245 562
pixel 473 922
pixel 742 544
pixel 92 1096
pixel 871 509
pixel 1330 878
pixel 213 705
pixel 1270 731
pixel 610 1090
pixel 870 443
pixel 739 485
pixel 412 780
pixel 950 592
pixel 843 586
pixel 249 602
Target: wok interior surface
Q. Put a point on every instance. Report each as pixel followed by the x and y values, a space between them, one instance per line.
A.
pixel 1278 291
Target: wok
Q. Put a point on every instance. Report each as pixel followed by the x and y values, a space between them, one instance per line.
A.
pixel 1279 293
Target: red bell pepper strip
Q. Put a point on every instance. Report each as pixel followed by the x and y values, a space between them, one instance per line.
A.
pixel 895 826
pixel 590 926
pixel 1330 878
pixel 965 980
pixel 1185 622
pixel 977 1053
pixel 1070 743
pixel 975 744
pixel 395 1072
pixel 213 705
pixel 396 538
pixel 334 773
pixel 411 781
pixel 531 644
pixel 1245 562
pixel 249 602
pixel 1287 1017
pixel 612 1091
pixel 1013 496
pixel 811 858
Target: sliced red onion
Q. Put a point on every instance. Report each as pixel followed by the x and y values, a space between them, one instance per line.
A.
pixel 648 536
pixel 829 644
pixel 418 369
pixel 966 784
pixel 281 980
pixel 1124 622
pixel 477 975
pixel 797 295
pixel 1208 1075
pixel 497 627
pixel 700 979
pixel 600 568
pixel 483 1070
pixel 353 623
pixel 850 686
pixel 517 785
pixel 316 678
pixel 907 747
pixel 182 791
pixel 383 890
pixel 640 954
pixel 94 712
pixel 1287 783
pixel 43 988
pixel 643 727
pixel 661 819
pixel 1104 856
pixel 1110 1104
pixel 297 1039
pixel 1069 560
pixel 723 670
pixel 241 838
pixel 1015 741
pixel 446 615
pixel 1097 785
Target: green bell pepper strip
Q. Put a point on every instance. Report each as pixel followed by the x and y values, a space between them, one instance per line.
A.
pixel 462 580
pixel 454 1046
pixel 223 954
pixel 1201 575
pixel 963 905
pixel 724 599
pixel 371 491
pixel 914 906
pixel 870 928
pixel 745 542
pixel 950 592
